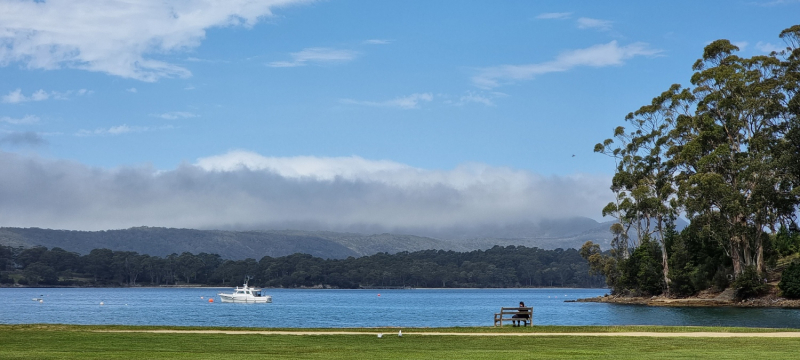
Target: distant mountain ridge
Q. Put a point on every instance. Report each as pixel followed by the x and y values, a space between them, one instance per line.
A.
pixel 236 245
pixel 233 245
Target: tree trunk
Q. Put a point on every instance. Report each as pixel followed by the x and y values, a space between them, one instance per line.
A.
pixel 759 254
pixel 665 264
pixel 736 257
pixel 664 257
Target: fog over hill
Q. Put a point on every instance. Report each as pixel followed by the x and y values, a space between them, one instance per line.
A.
pixel 242 204
pixel 241 244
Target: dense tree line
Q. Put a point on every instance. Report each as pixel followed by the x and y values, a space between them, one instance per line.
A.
pixel 511 266
pixel 725 153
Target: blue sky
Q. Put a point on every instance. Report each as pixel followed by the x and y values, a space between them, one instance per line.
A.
pixel 425 113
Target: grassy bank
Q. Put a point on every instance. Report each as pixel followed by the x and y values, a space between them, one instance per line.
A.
pixel 95 342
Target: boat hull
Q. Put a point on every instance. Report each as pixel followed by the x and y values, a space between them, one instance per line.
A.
pixel 247 300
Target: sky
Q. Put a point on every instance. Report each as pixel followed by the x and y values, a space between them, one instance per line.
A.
pixel 335 114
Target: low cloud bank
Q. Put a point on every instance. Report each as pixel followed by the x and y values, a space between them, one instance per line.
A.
pixel 249 191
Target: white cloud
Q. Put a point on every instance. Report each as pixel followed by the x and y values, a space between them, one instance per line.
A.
pixel 174 115
pixel 209 61
pixel 377 42
pixel 117 36
pixel 69 93
pixel 249 190
pixel 768 47
pixel 778 2
pixel 27 119
pixel 475 98
pixel 40 95
pixel 131 90
pixel 406 102
pixel 17 96
pixel 741 44
pixel 601 55
pixel 317 56
pixel 318 168
pixel 554 15
pixel 589 23
pixel 114 130
pixel 484 98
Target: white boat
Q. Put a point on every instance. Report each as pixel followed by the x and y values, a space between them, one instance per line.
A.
pixel 245 294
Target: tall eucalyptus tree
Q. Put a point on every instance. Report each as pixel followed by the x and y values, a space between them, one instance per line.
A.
pixel 728 170
pixel 644 181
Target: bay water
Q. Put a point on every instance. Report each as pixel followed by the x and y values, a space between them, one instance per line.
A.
pixel 326 308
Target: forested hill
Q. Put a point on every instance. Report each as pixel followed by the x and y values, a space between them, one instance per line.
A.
pixel 228 244
pixel 511 266
pixel 566 233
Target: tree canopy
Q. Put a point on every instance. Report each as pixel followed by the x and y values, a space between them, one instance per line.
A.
pixel 724 153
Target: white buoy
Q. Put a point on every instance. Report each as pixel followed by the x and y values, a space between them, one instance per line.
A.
pixel 41 301
pixel 101 303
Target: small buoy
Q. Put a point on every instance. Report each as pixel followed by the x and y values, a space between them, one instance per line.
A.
pixel 210 300
pixel 41 301
pixel 202 297
pixel 379 295
pixel 101 303
pixel 380 335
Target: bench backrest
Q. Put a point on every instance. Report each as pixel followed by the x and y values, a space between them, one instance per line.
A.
pixel 515 310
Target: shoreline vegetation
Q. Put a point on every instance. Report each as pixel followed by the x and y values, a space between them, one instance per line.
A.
pixel 42 341
pixel 769 301
pixel 770 297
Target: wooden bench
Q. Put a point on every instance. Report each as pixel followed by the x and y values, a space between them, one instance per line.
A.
pixel 507 314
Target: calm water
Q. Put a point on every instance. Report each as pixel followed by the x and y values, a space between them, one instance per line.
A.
pixel 355 308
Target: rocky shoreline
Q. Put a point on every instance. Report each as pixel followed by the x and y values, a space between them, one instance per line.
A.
pixel 704 299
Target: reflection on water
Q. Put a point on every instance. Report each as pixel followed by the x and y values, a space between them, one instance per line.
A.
pixel 356 308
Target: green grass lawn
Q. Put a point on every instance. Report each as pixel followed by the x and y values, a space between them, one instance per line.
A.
pixel 87 342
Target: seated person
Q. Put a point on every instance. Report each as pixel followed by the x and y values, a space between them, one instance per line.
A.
pixel 522 315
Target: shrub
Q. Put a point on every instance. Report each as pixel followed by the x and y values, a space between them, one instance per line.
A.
pixel 720 280
pixel 4 279
pixel 681 268
pixel 749 283
pixel 641 273
pixel 786 242
pixel 790 281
